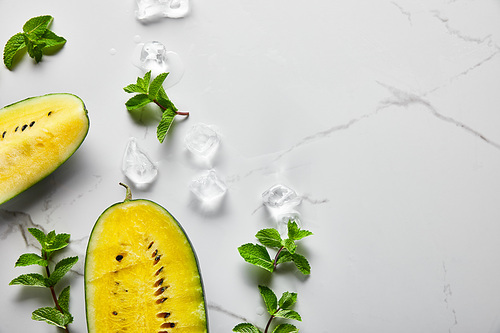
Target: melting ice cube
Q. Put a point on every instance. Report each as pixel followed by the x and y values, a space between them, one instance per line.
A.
pixel 154 56
pixel 280 196
pixel 202 140
pixel 153 9
pixel 208 188
pixel 136 166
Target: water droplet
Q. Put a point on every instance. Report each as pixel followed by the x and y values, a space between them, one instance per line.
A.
pixel 112 51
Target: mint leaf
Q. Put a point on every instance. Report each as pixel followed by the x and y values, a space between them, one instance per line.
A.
pixel 246 328
pixel 11 49
pixel 135 88
pixel 38 234
pixel 290 245
pixel 164 101
pixel 35 37
pixel 63 299
pixel 144 82
pixel 52 316
pixel 138 101
pixel 270 299
pixel 269 237
pixel 301 263
pixel 285 328
pixel 36 26
pixel 284 256
pixel 288 314
pixel 31 279
pixel 167 118
pixel 287 299
pixel 295 233
pixel 156 84
pixel 62 267
pixel 257 255
pixel 28 259
pixel 50 39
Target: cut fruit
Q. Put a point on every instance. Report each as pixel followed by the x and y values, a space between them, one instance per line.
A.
pixel 36 136
pixel 141 273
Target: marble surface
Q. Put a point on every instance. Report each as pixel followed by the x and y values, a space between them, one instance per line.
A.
pixel 382 115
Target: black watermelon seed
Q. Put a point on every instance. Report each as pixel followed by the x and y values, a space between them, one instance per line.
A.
pixel 159 283
pixel 161 300
pixel 115 313
pixel 16 129
pixel 163 315
pixel 157 258
pixel 3 134
pixel 32 123
pixel 155 253
pixel 159 271
pixel 150 244
pixel 166 325
pixel 24 127
pixel 50 112
pixel 119 257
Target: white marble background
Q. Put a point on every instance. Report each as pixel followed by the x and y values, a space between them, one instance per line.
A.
pixel 383 115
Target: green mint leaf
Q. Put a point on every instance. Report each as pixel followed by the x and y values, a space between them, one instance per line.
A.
pixel 31 279
pixel 52 316
pixel 246 328
pixel 50 39
pixel 284 256
pixel 134 88
pixel 295 233
pixel 138 101
pixel 156 84
pixel 37 26
pixel 51 237
pixel 62 267
pixel 285 328
pixel 63 299
pixel 39 235
pixel 167 118
pixel 164 101
pixel 144 82
pixel 11 49
pixel 270 299
pixel 290 245
pixel 269 237
pixel 287 299
pixel 55 242
pixel 287 314
pixel 257 255
pixel 28 259
pixel 301 263
pixel 34 48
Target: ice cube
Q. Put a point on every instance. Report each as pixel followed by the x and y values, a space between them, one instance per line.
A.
pixel 136 165
pixel 202 140
pixel 153 56
pixel 208 188
pixel 153 9
pixel 280 196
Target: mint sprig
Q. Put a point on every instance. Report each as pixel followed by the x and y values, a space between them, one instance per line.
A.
pixel 58 315
pixel 258 255
pixel 277 309
pixel 36 38
pixel 151 91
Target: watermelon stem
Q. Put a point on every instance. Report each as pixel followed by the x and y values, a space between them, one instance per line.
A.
pixel 128 196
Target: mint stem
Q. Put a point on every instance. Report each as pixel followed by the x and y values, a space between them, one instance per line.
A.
pixel 180 113
pixel 53 292
pixel 275 262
